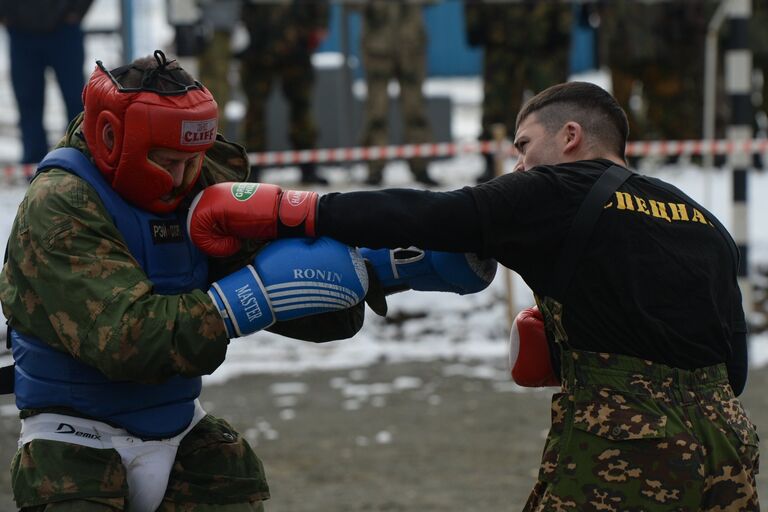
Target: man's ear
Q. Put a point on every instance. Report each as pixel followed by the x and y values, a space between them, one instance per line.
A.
pixel 574 136
pixel 108 136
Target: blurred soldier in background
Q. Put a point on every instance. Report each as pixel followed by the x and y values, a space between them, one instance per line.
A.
pixel 526 46
pixel 759 44
pixel 44 34
pixel 219 18
pixel 394 45
pixel 283 35
pixel 655 50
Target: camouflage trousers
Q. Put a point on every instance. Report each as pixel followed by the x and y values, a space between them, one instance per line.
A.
pixel 214 65
pixel 409 71
pixel 215 470
pixel 632 435
pixel 258 75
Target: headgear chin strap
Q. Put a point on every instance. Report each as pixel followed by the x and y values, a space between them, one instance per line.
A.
pixel 142 119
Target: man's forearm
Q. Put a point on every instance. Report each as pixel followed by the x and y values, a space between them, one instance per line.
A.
pixel 444 221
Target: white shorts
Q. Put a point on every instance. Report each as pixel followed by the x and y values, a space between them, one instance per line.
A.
pixel 147 463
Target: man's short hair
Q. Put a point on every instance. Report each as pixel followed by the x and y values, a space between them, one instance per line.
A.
pixel 154 73
pixel 598 113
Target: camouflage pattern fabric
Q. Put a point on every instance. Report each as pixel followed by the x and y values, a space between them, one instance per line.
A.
pixel 552 312
pixel 217 19
pixel 759 45
pixel 526 47
pixel 280 47
pixel 92 506
pixel 632 435
pixel 655 50
pixel 215 469
pixel 214 63
pixel 394 44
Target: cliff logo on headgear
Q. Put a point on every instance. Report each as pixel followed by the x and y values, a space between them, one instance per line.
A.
pixel 194 133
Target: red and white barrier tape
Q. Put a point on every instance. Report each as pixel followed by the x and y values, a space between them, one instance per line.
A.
pixel 447 149
pixel 365 154
pixel 13 172
pixel 696 147
pixel 637 148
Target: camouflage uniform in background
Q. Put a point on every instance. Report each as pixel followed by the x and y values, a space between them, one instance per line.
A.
pixel 63 234
pixel 629 434
pixel 283 34
pixel 219 18
pixel 759 44
pixel 526 47
pixel 655 48
pixel 394 45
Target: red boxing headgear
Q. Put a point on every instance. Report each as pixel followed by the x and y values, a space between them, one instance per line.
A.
pixel 141 120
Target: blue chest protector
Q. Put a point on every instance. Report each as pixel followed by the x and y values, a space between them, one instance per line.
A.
pixel 46 377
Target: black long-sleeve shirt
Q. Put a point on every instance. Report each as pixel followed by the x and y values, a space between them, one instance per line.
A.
pixel 656 281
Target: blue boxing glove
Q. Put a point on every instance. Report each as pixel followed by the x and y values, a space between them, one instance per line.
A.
pixel 289 279
pixel 415 269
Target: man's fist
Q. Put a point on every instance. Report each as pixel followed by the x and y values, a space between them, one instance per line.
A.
pixel 223 214
pixel 290 279
pixel 529 358
pixel 415 269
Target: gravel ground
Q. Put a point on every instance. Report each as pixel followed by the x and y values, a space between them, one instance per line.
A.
pixel 391 437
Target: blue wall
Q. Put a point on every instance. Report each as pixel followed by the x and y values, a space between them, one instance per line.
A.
pixel 448 52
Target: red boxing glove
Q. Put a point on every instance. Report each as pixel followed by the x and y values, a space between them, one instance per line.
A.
pixel 223 214
pixel 529 360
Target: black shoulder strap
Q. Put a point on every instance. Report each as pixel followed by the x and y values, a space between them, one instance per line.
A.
pixel 583 225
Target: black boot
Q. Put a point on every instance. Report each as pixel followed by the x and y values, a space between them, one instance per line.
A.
pixel 309 175
pixel 488 172
pixel 420 174
pixel 423 178
pixel 375 175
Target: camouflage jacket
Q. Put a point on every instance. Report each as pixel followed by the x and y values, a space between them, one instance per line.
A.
pixel 518 26
pixel 389 25
pixel 660 32
pixel 283 27
pixel 71 281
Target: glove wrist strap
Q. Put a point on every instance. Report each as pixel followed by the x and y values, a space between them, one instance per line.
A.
pixel 297 213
